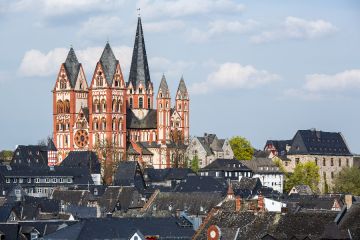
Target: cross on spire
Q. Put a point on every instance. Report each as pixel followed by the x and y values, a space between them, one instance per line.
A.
pixel 138 10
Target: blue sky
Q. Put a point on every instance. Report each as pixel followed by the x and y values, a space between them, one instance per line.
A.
pixel 259 69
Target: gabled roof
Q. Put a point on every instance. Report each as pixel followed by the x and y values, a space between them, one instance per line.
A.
pixel 139 70
pixel 51 145
pixel 226 165
pixel 319 143
pixel 129 173
pixel 108 62
pixel 30 155
pixel 262 165
pixel 201 184
pixel 83 159
pixel 279 145
pixel 72 67
pixel 159 175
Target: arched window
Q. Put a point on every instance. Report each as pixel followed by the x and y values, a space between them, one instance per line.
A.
pixel 62 84
pixel 131 102
pixel 117 83
pixel 141 102
pixel 120 124
pixel 59 106
pixel 96 106
pixel 67 106
pixel 103 124
pixel 114 124
pixel 114 105
pixel 119 105
pixel 103 105
pixel 95 124
pixel 149 103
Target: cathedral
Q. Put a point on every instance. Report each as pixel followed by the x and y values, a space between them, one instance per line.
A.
pixel 109 113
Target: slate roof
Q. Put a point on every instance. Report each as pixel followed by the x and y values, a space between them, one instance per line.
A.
pixel 194 203
pixel 159 175
pixel 201 184
pixel 148 122
pixel 123 228
pixel 351 220
pixel 303 190
pixel 5 212
pixel 226 165
pixel 108 62
pixel 79 175
pixel 312 202
pixel 83 159
pixel 315 142
pixel 246 187
pixel 120 198
pixel 163 86
pixel 51 146
pixel 129 173
pixel 139 69
pixel 280 145
pixel 75 197
pixel 182 90
pixel 211 143
pixel 72 67
pixel 262 165
pixel 30 155
pixel 281 227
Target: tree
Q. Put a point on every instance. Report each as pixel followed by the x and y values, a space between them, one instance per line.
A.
pixel 177 157
pixel 6 155
pixel 304 174
pixel 348 181
pixel 195 164
pixel 279 164
pixel 242 148
pixel 109 156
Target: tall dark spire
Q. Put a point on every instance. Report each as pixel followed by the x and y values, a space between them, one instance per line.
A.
pixel 108 62
pixel 72 67
pixel 139 70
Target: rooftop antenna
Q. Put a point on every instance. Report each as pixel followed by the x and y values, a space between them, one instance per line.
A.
pixel 138 10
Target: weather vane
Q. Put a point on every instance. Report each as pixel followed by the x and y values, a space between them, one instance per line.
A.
pixel 138 10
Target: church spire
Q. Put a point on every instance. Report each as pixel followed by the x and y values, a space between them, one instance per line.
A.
pixel 108 62
pixel 139 70
pixel 72 67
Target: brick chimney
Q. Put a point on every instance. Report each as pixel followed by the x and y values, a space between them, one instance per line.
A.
pixel 237 203
pixel 261 205
pixel 348 200
pixel 230 192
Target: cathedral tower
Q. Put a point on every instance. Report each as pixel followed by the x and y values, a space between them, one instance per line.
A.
pixel 69 96
pixel 163 111
pixel 140 87
pixel 107 108
pixel 182 108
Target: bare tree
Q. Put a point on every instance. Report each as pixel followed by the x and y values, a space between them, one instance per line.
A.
pixel 177 157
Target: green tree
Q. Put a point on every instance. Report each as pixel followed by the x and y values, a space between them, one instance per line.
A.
pixel 326 186
pixel 279 164
pixel 195 164
pixel 304 173
pixel 242 148
pixel 348 181
pixel 6 155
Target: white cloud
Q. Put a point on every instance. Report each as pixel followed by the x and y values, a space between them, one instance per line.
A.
pixel 61 7
pixel 219 27
pixel 234 76
pixel 347 79
pixel 178 8
pixel 163 26
pixel 36 63
pixel 296 28
pixel 102 26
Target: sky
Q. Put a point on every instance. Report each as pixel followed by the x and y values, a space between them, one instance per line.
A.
pixel 260 69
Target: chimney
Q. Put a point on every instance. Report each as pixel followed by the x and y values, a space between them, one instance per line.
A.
pixel 237 204
pixel 348 200
pixel 230 192
pixel 261 206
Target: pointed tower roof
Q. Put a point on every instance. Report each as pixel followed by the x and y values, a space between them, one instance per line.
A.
pixel 72 67
pixel 139 70
pixel 163 85
pixel 51 145
pixel 182 87
pixel 108 62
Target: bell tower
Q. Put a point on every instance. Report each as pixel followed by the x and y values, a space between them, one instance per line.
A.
pixel 140 87
pixel 182 107
pixel 163 112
